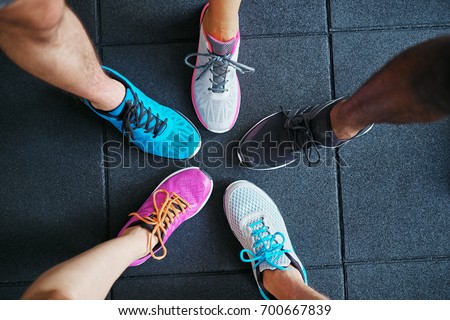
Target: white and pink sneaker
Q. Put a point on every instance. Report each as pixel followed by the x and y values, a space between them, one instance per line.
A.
pixel 215 90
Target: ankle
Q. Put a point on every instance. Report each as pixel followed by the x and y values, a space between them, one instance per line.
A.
pixel 140 239
pixel 283 284
pixel 110 95
pixel 289 285
pixel 343 126
pixel 221 30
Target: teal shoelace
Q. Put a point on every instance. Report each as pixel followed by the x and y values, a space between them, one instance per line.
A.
pixel 267 249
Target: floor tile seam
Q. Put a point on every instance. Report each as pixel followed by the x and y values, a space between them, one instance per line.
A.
pixel 105 170
pixel 15 283
pixel 249 271
pixel 279 35
pixel 187 274
pixel 218 273
pixel 338 169
pixel 390 28
pixel 195 40
pixel 284 35
pixel 98 21
pixel 399 260
pixel 106 184
pixel 106 194
pixel 341 223
pixel 331 51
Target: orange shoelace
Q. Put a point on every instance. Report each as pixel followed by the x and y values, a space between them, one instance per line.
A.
pixel 163 217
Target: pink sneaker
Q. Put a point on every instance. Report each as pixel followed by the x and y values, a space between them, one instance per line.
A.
pixel 177 198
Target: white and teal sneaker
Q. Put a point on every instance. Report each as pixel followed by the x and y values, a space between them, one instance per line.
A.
pixel 258 225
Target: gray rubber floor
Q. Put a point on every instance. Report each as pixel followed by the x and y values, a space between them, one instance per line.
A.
pixel 375 227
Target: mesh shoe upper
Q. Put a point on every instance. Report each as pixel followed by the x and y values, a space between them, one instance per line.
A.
pixel 176 199
pixel 215 88
pixel 176 138
pixel 258 225
pixel 277 140
pixel 216 110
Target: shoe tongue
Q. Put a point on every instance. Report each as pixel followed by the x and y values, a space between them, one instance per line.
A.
pixel 128 96
pixel 220 68
pixel 221 48
pixel 322 129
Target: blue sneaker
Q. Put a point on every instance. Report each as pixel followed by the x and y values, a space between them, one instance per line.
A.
pixel 258 225
pixel 152 127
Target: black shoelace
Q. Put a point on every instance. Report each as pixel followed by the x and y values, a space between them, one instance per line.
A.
pixel 134 118
pixel 301 136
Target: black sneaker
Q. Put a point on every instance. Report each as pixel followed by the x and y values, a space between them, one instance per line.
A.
pixel 277 140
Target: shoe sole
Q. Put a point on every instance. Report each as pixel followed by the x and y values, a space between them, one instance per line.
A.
pixel 263 169
pixel 240 156
pixel 199 143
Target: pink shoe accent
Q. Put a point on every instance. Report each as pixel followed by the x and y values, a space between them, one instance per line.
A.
pixel 203 12
pixel 239 103
pixel 237 37
pixel 191 184
pixel 193 73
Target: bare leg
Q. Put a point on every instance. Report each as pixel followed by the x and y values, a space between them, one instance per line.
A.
pixel 91 274
pixel 289 285
pixel 413 87
pixel 221 20
pixel 45 38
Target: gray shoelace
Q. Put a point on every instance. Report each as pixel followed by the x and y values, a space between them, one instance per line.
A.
pixel 218 65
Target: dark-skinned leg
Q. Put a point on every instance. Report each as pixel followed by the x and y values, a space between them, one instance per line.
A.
pixel 413 87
